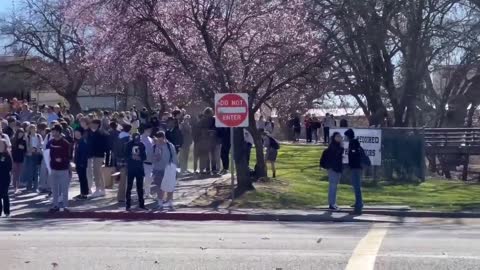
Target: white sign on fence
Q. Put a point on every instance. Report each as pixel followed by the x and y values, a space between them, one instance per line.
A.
pixel 370 140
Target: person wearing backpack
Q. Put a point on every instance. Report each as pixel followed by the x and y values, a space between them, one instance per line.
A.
pixel 332 160
pixel 136 156
pixel 164 155
pixel 272 147
pixel 356 160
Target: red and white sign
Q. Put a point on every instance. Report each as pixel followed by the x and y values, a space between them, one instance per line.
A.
pixel 231 110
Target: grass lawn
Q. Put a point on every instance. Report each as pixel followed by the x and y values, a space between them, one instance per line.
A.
pixel 301 185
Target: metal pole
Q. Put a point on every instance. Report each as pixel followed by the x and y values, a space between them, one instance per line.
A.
pixel 232 163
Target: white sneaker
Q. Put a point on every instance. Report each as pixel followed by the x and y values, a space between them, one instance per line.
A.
pixel 102 193
pixel 169 205
pixel 97 194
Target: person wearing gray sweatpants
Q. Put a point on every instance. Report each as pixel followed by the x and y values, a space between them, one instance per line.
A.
pixel 61 184
pixel 60 157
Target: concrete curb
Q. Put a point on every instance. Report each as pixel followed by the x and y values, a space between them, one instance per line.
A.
pixel 340 216
pixel 185 216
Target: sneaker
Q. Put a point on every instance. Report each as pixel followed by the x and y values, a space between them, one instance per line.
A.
pixel 127 208
pixel 97 194
pixel 54 210
pixel 49 195
pixel 102 193
pixel 143 208
pixel 169 205
pixel 66 210
pixel 160 205
pixel 17 192
pixel 80 197
pixel 334 207
pixel 7 216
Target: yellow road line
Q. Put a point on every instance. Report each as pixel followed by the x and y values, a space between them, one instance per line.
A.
pixel 364 255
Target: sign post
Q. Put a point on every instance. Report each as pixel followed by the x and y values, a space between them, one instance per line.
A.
pixel 231 111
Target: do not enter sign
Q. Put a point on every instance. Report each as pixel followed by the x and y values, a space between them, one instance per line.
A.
pixel 231 110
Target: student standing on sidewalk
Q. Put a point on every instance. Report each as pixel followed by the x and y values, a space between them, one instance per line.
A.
pixel 332 160
pixel 163 155
pixel 355 152
pixel 81 162
pixel 97 145
pixel 5 169
pixel 136 157
pixel 120 150
pixel 60 156
pixel 33 158
pixel 147 164
pixel 19 148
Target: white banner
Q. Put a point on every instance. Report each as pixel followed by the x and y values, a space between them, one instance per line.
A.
pixel 370 140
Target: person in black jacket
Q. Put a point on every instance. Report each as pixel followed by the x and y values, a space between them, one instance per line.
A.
pixel 97 146
pixel 5 168
pixel 355 163
pixel 19 148
pixel 334 163
pixel 173 134
pixel 136 155
pixel 81 162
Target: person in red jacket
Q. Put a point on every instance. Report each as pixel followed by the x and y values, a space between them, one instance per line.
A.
pixel 60 157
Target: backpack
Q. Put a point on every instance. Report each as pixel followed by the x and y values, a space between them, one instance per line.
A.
pixel 324 160
pixel 364 159
pixel 273 143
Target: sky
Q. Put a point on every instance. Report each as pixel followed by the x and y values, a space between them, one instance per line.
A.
pixel 5 6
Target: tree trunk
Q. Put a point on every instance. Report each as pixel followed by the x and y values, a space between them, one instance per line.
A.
pixel 260 168
pixel 73 103
pixel 244 181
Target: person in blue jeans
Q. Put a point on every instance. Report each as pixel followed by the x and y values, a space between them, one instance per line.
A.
pixel 355 163
pixel 332 160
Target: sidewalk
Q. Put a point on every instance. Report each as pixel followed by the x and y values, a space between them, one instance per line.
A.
pixel 188 190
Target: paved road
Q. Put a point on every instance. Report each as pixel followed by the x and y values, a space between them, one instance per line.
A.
pixel 421 244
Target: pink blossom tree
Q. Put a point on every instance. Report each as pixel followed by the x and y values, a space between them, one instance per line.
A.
pixel 55 49
pixel 196 48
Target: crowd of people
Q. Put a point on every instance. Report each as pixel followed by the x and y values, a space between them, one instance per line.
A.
pixel 315 127
pixel 39 145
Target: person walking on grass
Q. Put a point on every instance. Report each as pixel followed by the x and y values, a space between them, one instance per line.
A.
pixel 272 147
pixel 5 169
pixel 60 157
pixel 332 160
pixel 136 157
pixel 356 160
pixel 164 156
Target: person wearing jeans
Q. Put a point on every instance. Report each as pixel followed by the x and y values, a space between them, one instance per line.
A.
pixel 355 164
pixel 333 161
pixel 60 156
pixel 19 147
pixel 32 158
pixel 81 162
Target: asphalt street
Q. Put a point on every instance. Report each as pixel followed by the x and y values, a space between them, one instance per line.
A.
pixel 58 244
